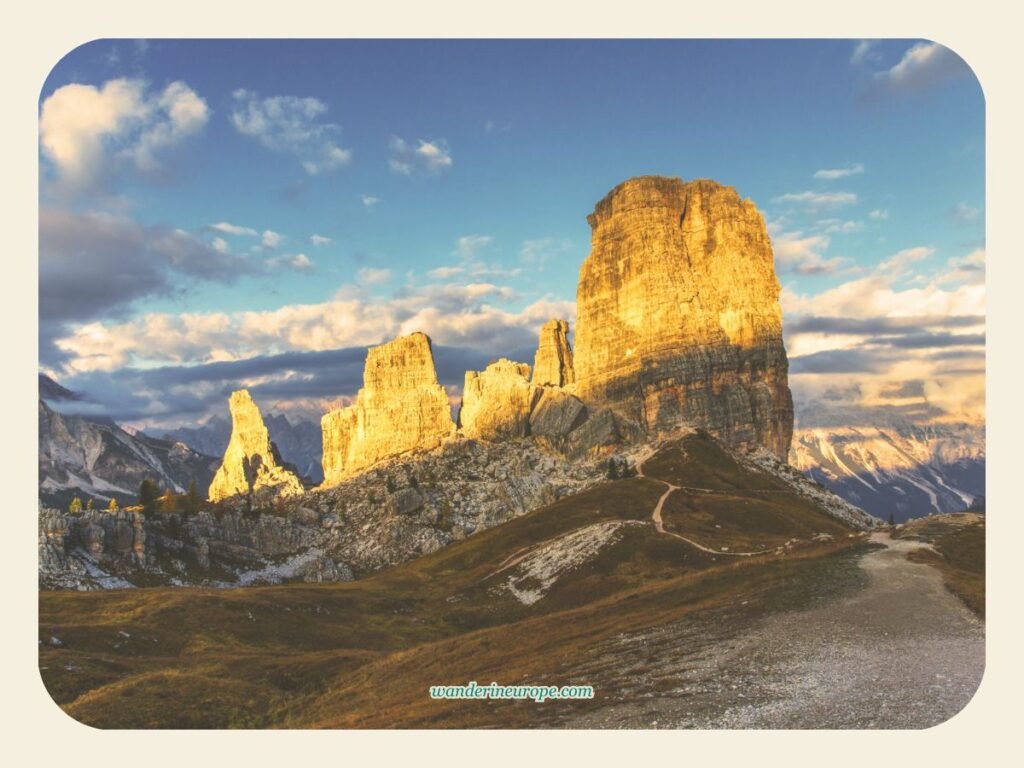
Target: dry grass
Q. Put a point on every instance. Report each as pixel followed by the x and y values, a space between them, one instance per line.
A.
pixel 363 654
pixel 960 543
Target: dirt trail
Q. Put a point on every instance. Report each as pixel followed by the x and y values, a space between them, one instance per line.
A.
pixel 896 650
pixel 659 524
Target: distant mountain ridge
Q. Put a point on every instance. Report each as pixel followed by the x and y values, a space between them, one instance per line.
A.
pixel 93 457
pixel 300 442
pixel 886 464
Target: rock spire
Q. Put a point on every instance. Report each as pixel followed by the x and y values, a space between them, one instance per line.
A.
pixel 251 462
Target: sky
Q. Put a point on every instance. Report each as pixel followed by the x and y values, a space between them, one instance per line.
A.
pixel 217 214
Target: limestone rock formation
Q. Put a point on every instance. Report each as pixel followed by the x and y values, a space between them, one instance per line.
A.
pixel 400 408
pixel 678 316
pixel 497 402
pixel 251 462
pixel 553 364
pixel 556 414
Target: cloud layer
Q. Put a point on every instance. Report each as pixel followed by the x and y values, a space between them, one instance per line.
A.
pixel 85 131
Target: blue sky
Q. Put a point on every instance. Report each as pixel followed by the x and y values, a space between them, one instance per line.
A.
pixel 212 202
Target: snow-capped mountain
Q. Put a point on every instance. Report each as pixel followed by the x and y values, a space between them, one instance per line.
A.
pixel 895 467
pixel 93 457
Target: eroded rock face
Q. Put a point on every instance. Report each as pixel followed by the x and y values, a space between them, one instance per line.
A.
pixel 497 402
pixel 678 316
pixel 401 408
pixel 552 365
pixel 556 414
pixel 250 461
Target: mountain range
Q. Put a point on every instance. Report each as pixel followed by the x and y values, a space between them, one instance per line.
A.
pixel 889 465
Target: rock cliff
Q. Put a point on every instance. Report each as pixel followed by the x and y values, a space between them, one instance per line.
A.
pixel 251 462
pixel 497 402
pixel 400 408
pixel 678 316
pixel 552 365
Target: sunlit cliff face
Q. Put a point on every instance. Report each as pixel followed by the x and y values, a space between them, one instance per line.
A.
pixel 678 316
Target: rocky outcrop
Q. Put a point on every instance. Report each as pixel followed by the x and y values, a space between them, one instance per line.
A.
pixel 556 414
pixel 88 550
pixel 497 402
pixel 251 462
pixel 678 316
pixel 552 365
pixel 401 408
pixel 400 509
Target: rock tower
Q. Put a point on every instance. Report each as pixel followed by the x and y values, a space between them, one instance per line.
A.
pixel 400 408
pixel 678 316
pixel 251 462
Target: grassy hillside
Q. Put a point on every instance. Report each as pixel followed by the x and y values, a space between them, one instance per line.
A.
pixel 527 601
pixel 959 552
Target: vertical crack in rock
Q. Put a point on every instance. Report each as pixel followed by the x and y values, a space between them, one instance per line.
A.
pixel 552 365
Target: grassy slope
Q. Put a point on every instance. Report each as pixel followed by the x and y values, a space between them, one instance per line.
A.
pixel 747 511
pixel 363 654
pixel 959 539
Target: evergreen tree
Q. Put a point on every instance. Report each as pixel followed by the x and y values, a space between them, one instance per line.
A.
pixel 192 500
pixel 892 519
pixel 76 506
pixel 89 504
pixel 112 506
pixel 168 503
pixel 149 492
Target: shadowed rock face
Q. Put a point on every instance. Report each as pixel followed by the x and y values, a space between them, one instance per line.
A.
pixel 250 461
pixel 678 316
pixel 400 408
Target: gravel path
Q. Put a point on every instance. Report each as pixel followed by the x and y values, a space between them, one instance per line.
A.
pixel 894 650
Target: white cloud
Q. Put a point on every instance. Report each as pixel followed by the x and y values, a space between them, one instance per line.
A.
pixel 963 213
pixel 234 229
pixel 292 125
pixel 444 273
pixel 838 226
pixel 879 214
pixel 470 246
pixel 923 65
pixel 464 315
pixel 220 245
pixel 864 51
pixel 969 269
pixel 372 276
pixel 804 255
pixel 492 126
pixel 831 174
pixel 319 240
pixel 427 157
pixel 538 252
pixel 818 200
pixel 369 200
pixel 84 129
pixel 898 264
pixel 300 262
pixel 270 238
pixel 182 114
pixel 894 335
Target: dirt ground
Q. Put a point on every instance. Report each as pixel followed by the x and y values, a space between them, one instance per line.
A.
pixel 882 644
